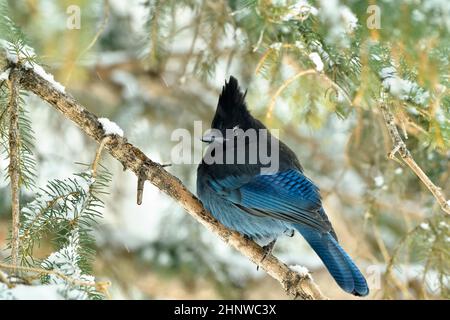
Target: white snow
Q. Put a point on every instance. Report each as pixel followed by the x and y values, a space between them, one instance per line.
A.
pixel 350 20
pixel 418 16
pixel 131 89
pixel 5 75
pixel 26 52
pixel 301 270
pixel 437 12
pixel 317 46
pixel 276 46
pixel 41 200
pixel 110 127
pixel 315 58
pixel 299 45
pixel 341 21
pixel 375 57
pixel 413 111
pixel 73 205
pixel 300 10
pixel 66 261
pixel 401 88
pixel 49 77
pixel 387 72
pixel 5 292
pixel 39 292
pixel 443 225
pixel 407 272
pixel 110 58
pixel 425 226
pixel 398 87
pixel 379 181
pixel 441 117
pixel 135 10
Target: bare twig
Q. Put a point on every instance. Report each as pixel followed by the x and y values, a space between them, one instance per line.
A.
pixel 198 22
pixel 283 86
pixel 399 147
pixel 134 159
pixel 14 161
pixel 140 186
pixel 299 74
pixel 98 154
pixel 267 53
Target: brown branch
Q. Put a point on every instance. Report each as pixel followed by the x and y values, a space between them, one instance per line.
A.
pixel 134 159
pixel 98 154
pixel 283 86
pixel 4 279
pixel 399 146
pixel 100 286
pixel 14 163
pixel 140 187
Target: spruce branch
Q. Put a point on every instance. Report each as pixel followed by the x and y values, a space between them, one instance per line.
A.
pixel 295 284
pixel 14 163
pixel 68 208
pixel 399 147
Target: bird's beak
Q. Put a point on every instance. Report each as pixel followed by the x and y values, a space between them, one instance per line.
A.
pixel 208 138
pixel 213 135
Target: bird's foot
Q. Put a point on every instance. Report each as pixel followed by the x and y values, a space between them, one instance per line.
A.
pixel 268 248
pixel 289 232
pixel 247 237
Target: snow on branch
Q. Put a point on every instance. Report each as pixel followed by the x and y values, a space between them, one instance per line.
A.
pixel 110 127
pixel 25 55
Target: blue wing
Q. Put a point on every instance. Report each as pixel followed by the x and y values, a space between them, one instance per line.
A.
pixel 287 195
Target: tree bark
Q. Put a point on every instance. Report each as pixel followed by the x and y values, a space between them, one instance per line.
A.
pixel 14 163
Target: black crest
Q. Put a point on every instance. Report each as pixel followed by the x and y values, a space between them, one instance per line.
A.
pixel 231 108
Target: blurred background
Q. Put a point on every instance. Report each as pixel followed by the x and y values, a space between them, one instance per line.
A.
pixel 155 66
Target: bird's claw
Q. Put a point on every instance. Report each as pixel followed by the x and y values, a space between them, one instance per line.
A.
pixel 268 248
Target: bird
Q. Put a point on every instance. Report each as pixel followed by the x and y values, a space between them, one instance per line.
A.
pixel 265 206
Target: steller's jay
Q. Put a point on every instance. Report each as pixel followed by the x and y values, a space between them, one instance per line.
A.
pixel 263 206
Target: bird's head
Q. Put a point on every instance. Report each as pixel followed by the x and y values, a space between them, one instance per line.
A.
pixel 231 113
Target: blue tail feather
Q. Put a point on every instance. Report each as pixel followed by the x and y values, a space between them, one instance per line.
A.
pixel 337 261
